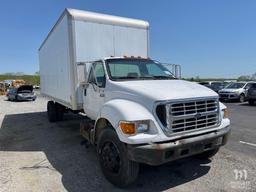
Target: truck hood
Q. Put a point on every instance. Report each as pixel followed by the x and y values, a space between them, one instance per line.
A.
pixel 160 90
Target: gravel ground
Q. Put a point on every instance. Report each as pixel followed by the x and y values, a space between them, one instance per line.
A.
pixel 38 156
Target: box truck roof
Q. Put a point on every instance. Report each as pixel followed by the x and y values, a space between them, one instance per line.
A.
pixel 106 19
pixel 93 17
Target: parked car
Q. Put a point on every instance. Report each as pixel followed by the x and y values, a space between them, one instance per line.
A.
pixel 22 93
pixel 252 94
pixel 235 91
pixel 36 86
pixel 8 82
pixel 214 85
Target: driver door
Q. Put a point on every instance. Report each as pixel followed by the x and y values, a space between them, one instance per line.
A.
pixel 94 95
pixel 247 87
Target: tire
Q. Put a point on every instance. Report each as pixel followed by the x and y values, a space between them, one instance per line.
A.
pixel 114 163
pixel 251 102
pixel 242 98
pixel 208 154
pixel 51 111
pixel 59 111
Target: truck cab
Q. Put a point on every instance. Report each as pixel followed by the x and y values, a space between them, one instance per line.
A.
pixel 151 116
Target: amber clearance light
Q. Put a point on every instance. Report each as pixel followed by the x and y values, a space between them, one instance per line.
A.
pixel 225 113
pixel 128 127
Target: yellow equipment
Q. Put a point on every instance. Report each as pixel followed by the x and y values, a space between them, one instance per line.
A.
pixel 2 88
pixel 17 83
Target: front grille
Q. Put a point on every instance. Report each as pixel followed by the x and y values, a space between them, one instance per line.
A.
pixel 224 95
pixel 194 123
pixel 192 114
pixel 192 107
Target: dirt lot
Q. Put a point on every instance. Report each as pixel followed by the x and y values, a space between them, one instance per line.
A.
pixel 38 156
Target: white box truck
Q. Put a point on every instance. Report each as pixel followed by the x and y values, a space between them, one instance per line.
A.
pixel 139 112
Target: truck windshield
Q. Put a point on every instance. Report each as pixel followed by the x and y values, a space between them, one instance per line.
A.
pixel 136 69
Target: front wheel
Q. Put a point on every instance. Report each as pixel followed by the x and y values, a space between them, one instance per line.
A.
pixel 242 98
pixel 114 163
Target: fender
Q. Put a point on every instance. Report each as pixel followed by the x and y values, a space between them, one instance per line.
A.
pixel 117 110
pixel 222 106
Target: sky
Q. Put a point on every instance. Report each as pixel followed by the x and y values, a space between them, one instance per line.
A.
pixel 208 38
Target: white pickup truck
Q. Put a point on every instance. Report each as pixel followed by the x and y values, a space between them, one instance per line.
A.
pixel 139 111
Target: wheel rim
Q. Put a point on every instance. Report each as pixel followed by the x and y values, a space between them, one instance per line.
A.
pixel 242 98
pixel 110 157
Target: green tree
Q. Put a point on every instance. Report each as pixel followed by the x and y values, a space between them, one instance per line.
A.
pixel 244 78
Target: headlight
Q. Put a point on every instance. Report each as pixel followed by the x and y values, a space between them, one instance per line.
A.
pixel 19 94
pixel 131 128
pixel 225 113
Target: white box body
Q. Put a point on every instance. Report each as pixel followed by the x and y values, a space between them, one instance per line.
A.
pixel 79 37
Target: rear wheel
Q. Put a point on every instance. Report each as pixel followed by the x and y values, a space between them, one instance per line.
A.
pixel 242 98
pixel 115 165
pixel 251 102
pixel 51 111
pixel 59 111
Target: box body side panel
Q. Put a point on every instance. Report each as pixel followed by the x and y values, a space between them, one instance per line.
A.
pixel 55 64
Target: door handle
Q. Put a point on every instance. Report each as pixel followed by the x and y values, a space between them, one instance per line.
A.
pixel 84 92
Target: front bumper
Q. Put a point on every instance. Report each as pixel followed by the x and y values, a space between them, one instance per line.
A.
pixel 229 96
pixel 26 98
pixel 159 153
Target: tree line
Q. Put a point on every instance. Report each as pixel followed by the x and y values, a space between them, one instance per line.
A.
pixel 29 79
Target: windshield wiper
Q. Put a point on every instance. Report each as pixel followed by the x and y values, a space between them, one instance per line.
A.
pixel 163 77
pixel 134 78
pixel 144 77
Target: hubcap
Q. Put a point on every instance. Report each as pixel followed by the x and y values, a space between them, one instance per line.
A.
pixel 110 157
pixel 242 98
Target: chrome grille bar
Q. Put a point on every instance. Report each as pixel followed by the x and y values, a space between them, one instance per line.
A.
pixel 188 115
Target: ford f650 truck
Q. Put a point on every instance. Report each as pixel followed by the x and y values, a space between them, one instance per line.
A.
pixel 139 111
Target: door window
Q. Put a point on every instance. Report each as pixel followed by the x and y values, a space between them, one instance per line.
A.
pixel 97 75
pixel 248 86
pixel 253 86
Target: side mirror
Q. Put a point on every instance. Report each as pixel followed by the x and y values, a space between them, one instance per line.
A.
pixel 87 69
pixel 84 84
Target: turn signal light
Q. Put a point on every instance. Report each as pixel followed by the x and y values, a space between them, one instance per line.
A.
pixel 128 128
pixel 225 115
